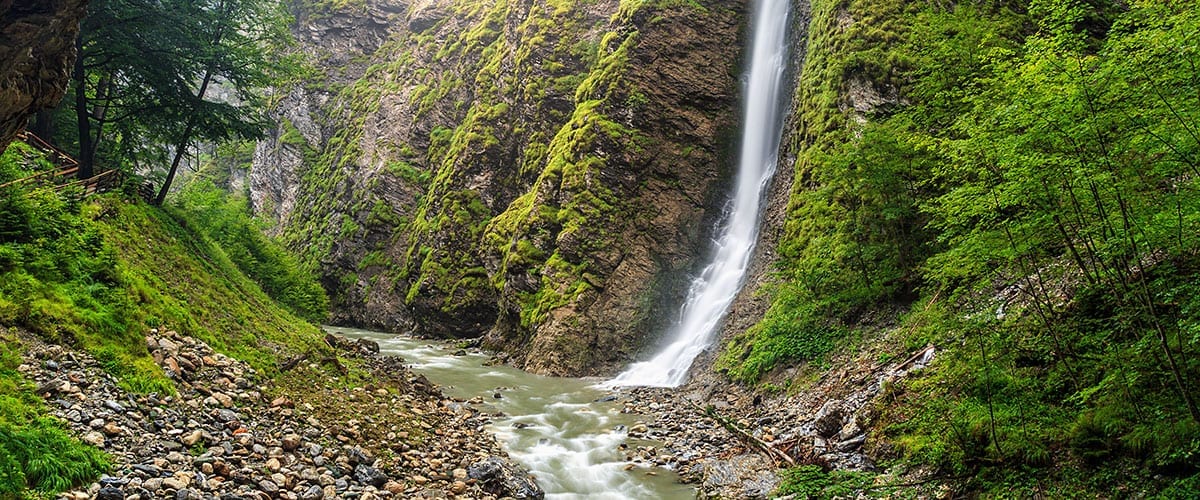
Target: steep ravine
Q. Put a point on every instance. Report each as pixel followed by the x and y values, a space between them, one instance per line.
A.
pixel 544 174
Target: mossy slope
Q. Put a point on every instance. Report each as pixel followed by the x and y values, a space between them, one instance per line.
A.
pixel 96 274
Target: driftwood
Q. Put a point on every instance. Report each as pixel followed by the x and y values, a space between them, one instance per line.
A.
pixel 775 454
pixel 291 363
pixel 920 354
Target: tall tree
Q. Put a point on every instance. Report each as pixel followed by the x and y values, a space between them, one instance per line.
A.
pixel 239 43
pixel 148 70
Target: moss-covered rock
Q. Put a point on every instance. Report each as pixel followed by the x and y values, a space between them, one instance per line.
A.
pixel 537 171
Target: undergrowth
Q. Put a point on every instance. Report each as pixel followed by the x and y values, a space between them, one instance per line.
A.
pixel 96 274
pixel 36 453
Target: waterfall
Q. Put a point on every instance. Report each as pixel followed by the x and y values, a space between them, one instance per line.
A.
pixel 713 291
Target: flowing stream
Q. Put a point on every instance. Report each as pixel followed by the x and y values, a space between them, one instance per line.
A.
pixel 713 291
pixel 556 427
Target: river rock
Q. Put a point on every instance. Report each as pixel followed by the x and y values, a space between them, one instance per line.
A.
pixel 290 442
pixel 110 493
pixel 357 456
pixel 313 492
pixel 94 438
pixel 828 421
pixel 366 474
pixel 249 448
pixel 502 477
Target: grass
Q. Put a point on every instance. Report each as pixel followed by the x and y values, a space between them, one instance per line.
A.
pixel 37 456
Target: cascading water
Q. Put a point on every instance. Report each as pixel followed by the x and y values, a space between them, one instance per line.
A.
pixel 713 291
pixel 565 431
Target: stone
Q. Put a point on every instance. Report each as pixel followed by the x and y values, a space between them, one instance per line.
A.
pixel 828 421
pixel 192 438
pixel 366 474
pixel 504 478
pixel 94 438
pixel 290 442
pixel 850 430
pixel 110 493
pixel 268 486
pixel 313 492
pixel 153 484
pixel 393 487
pixel 188 494
pixel 358 456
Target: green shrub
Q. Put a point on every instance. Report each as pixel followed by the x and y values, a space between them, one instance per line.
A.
pixel 226 220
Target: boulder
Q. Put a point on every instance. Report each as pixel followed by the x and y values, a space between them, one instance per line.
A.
pixel 502 477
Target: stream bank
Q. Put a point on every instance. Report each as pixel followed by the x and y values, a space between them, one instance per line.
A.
pixel 231 433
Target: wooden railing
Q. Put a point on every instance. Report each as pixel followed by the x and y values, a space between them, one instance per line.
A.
pixel 61 177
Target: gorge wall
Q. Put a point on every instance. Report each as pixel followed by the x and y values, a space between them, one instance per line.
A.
pixel 37 50
pixel 544 173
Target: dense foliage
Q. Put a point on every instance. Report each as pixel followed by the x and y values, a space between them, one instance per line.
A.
pixel 35 451
pixel 1025 184
pixel 154 78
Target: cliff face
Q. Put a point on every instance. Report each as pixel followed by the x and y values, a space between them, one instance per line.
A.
pixel 542 173
pixel 37 50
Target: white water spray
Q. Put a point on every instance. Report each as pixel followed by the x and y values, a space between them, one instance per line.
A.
pixel 713 291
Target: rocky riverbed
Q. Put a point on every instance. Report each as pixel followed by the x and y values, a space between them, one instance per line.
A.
pixel 228 433
pixel 732 442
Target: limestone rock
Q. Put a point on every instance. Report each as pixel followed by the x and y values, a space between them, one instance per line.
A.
pixel 504 478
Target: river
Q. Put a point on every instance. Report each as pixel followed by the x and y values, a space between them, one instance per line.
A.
pixel 559 428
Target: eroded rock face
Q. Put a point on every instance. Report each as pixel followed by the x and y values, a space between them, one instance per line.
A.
pixel 37 51
pixel 545 173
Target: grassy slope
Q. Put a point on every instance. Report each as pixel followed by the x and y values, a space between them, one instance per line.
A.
pixel 97 275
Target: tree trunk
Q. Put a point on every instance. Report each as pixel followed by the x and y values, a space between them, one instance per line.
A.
pixel 43 125
pixel 83 119
pixel 182 144
pixel 100 110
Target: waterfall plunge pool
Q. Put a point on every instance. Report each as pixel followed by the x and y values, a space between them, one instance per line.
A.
pixel 558 428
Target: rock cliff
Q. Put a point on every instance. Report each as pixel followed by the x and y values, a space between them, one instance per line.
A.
pixel 543 173
pixel 37 50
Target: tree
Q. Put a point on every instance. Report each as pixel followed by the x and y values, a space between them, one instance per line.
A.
pixel 148 69
pixel 239 43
